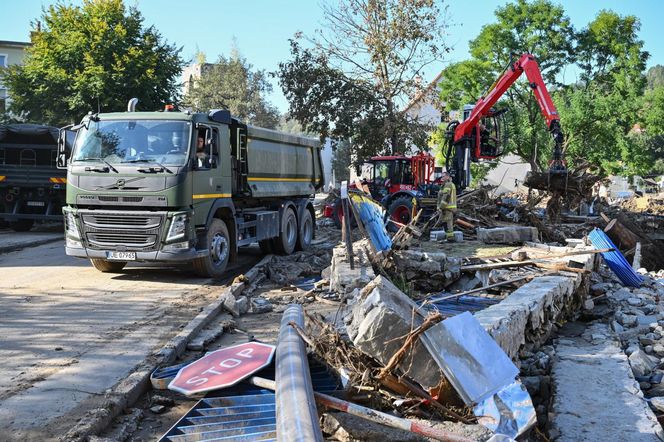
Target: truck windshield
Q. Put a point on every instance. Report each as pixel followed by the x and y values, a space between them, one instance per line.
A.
pixel 116 142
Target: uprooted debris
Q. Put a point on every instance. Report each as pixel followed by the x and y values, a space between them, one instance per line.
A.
pixel 396 351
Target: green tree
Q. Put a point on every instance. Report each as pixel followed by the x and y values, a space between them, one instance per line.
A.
pixel 231 83
pixel 359 72
pixel 540 28
pixel 92 57
pixel 599 112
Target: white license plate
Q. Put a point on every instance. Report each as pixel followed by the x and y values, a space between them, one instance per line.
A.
pixel 121 256
pixel 36 203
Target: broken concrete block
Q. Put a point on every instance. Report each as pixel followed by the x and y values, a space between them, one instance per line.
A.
pixel 641 363
pixel 343 279
pixel 229 302
pixel 260 305
pixel 438 235
pixel 508 235
pixel 378 322
pixel 658 403
pixel 242 305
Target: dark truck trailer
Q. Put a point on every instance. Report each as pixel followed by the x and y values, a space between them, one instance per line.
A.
pixel 186 187
pixel 31 186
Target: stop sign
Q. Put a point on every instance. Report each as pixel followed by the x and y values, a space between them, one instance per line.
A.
pixel 222 368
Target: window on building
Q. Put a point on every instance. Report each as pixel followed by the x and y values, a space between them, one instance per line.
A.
pixel 3 101
pixel 3 60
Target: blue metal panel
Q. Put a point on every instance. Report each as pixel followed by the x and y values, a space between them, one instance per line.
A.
pixel 615 260
pixel 243 412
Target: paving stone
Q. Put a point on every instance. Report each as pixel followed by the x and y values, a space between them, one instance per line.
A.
pixel 596 398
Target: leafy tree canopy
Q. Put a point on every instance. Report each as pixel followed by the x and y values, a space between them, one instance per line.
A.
pixel 597 111
pixel 92 57
pixel 353 79
pixel 231 83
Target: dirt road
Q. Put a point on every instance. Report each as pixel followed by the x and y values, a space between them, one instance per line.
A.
pixel 69 332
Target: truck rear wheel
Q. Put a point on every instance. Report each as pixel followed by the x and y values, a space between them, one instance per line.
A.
pixel 219 246
pixel 400 211
pixel 284 244
pixel 108 266
pixel 22 225
pixel 305 232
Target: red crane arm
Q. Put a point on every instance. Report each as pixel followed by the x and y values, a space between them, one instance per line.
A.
pixel 526 63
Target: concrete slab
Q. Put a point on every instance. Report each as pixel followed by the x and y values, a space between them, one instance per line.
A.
pixel 11 241
pixel 508 235
pixel 526 317
pixel 596 395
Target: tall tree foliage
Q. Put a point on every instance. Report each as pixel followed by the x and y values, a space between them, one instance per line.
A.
pixel 92 57
pixel 540 28
pixel 231 83
pixel 597 111
pixel 353 79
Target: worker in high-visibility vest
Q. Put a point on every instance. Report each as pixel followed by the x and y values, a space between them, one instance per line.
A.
pixel 447 204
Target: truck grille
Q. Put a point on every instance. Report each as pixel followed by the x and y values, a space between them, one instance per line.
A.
pixel 122 221
pixel 124 231
pixel 110 239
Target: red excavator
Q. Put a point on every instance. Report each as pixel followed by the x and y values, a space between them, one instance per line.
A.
pixel 478 136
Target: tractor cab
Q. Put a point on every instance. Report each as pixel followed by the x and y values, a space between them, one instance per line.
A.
pixel 386 175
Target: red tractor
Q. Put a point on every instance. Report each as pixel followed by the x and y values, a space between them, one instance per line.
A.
pixel 396 181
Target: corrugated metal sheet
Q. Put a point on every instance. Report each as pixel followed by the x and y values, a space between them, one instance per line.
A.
pixel 240 413
pixel 615 260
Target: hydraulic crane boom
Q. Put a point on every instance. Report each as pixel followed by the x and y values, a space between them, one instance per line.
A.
pixel 466 136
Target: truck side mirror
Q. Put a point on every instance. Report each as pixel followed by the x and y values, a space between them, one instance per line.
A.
pixel 63 151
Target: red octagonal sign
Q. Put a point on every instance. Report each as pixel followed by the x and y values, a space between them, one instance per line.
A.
pixel 222 368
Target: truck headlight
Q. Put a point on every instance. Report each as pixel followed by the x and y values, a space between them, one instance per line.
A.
pixel 178 227
pixel 72 228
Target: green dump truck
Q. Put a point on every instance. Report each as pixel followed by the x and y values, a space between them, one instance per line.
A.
pixel 185 187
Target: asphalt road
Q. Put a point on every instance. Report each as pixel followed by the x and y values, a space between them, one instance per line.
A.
pixel 69 332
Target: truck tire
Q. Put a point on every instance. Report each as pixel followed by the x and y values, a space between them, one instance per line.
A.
pixel 400 210
pixel 108 266
pixel 219 246
pixel 22 225
pixel 284 244
pixel 305 231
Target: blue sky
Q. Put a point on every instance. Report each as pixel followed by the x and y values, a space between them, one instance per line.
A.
pixel 262 28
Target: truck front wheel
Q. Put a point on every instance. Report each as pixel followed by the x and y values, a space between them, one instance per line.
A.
pixel 108 266
pixel 284 244
pixel 219 246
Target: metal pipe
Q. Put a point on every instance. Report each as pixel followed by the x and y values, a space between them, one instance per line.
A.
pixel 297 418
pixel 369 414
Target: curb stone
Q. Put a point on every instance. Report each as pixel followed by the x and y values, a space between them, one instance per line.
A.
pixel 127 391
